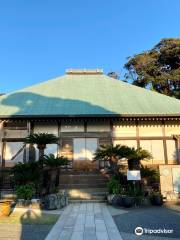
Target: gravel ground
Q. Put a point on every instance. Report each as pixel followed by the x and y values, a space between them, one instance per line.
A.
pixel 150 218
pixel 23 232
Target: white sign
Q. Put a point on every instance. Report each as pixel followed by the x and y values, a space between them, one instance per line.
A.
pixel 134 175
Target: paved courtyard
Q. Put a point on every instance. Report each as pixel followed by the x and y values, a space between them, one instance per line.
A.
pixel 94 221
pixel 151 218
pixel 85 221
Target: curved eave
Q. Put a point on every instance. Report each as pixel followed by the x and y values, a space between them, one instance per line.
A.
pixel 164 116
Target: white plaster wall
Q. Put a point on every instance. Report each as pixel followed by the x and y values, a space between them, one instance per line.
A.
pixel 124 130
pixel 150 129
pixel 8 133
pixel 72 127
pixel 171 151
pixel 172 128
pixel 155 147
pixel 46 128
pixel 129 143
pixel 98 127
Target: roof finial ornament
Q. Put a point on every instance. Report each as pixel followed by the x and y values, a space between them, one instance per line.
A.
pixel 84 71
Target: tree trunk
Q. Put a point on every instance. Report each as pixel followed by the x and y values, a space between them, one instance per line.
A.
pixel 41 151
pixel 57 176
pixel 133 164
pixel 32 153
pixel 114 167
pixel 41 154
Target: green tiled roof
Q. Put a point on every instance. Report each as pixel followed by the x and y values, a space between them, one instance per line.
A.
pixel 86 95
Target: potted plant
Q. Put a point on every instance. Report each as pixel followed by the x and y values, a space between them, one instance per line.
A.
pixel 26 173
pixel 24 194
pixel 115 190
pixel 5 208
pixel 128 199
pixel 156 199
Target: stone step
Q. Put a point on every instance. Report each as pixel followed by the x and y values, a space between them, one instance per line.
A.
pixel 7 194
pixel 84 182
pixel 64 178
pixel 82 177
pixel 87 194
pixel 82 185
pixel 78 172
pixel 87 201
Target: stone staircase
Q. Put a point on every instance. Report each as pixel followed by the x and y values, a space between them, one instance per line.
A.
pixel 84 187
pixel 7 194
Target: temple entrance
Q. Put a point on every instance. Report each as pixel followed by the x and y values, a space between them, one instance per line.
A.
pixel 83 150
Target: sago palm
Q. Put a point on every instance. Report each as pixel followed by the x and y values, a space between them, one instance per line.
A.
pixel 41 139
pixel 54 164
pixel 136 156
pixel 112 154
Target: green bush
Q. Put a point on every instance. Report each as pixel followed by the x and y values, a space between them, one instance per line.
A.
pixel 25 192
pixel 114 186
pixel 156 198
pixel 25 173
pixel 134 190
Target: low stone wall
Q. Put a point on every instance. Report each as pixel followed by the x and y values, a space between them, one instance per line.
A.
pixel 170 181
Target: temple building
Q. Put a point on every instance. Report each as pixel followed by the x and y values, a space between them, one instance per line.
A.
pixel 85 109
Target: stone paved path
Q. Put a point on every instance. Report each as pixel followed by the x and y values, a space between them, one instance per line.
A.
pixel 85 221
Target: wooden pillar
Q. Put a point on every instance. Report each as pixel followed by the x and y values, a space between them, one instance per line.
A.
pixel 111 131
pixel 164 143
pixel 60 140
pixel 177 139
pixel 137 134
pixel 29 150
pixel 1 143
pixel 3 153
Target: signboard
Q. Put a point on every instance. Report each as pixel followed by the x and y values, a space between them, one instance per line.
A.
pixel 133 175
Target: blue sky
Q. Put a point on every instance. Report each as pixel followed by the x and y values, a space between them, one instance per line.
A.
pixel 39 39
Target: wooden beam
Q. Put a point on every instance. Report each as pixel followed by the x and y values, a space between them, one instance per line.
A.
pixel 144 138
pixel 13 139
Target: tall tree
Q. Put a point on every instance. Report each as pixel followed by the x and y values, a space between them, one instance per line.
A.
pixel 158 68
